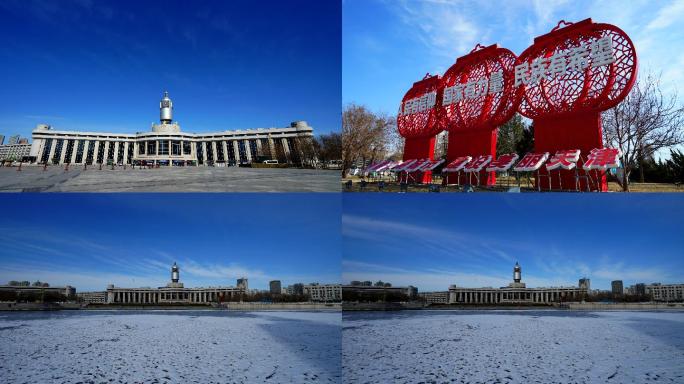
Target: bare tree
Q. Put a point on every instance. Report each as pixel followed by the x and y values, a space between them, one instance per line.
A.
pixel 642 124
pixel 394 143
pixel 363 136
pixel 330 147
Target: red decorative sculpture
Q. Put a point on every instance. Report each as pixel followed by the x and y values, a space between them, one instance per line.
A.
pixel 419 119
pixel 564 81
pixel 478 96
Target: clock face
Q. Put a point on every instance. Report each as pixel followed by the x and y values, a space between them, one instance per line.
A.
pixel 165 103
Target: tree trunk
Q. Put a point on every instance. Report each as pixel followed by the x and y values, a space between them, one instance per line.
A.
pixel 625 180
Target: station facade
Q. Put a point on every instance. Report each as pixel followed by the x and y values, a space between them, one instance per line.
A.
pixel 167 145
pixel 174 293
pixel 516 293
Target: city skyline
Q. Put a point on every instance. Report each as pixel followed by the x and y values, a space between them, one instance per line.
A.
pixel 131 240
pixel 102 66
pixel 412 240
pixel 393 44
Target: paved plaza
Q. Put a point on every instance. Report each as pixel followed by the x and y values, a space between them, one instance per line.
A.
pixel 175 179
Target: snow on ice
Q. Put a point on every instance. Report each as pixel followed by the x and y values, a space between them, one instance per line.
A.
pixel 513 347
pixel 170 347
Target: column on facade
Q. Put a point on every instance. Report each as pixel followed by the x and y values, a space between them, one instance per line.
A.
pixel 96 150
pixel 62 155
pixel 236 150
pixel 213 151
pixel 125 157
pixel 86 147
pixel 286 148
pixel 105 148
pixel 271 148
pixel 52 150
pixel 225 151
pixel 204 152
pixel 116 152
pixel 248 150
pixel 74 150
pixel 258 146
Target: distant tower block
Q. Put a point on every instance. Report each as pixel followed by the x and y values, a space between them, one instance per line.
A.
pixel 175 273
pixel 166 109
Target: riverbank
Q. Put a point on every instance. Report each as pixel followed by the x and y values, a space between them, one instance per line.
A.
pixel 352 307
pixel 224 306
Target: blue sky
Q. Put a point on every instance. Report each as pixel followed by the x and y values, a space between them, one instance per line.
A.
pixel 91 240
pixel 474 240
pixel 389 44
pixel 103 65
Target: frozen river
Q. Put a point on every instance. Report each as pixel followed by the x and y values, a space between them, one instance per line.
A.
pixel 169 347
pixel 513 347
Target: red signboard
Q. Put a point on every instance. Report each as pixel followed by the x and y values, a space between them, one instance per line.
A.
pixel 564 160
pixel 531 162
pixel 419 119
pixel 503 163
pixel 566 78
pixel 478 96
pixel 563 82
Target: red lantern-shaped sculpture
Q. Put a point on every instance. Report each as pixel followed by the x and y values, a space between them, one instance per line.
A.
pixel 478 96
pixel 565 79
pixel 419 119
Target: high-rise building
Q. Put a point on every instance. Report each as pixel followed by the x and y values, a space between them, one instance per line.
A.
pixel 242 283
pixel 585 283
pixel 323 292
pixel 13 140
pixel 2 139
pixel 640 289
pixel 616 287
pixel 275 287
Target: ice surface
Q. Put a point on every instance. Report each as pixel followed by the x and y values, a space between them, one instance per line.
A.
pixel 170 347
pixel 513 347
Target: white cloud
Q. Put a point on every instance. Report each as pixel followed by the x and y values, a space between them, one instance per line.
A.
pixel 668 15
pixel 441 26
